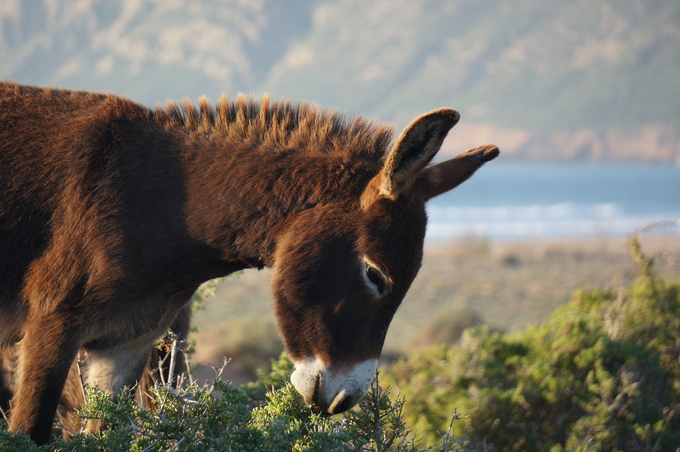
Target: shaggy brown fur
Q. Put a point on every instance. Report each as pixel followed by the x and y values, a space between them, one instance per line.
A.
pixel 112 214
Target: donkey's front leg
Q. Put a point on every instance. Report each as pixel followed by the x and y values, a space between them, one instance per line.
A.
pixel 111 370
pixel 46 351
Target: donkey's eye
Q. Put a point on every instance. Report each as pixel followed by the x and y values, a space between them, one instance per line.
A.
pixel 376 278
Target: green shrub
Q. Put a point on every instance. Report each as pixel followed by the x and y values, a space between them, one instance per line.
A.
pixel 601 374
pixel 219 417
pixel 277 378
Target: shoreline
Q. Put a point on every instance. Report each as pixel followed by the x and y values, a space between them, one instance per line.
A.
pixel 617 244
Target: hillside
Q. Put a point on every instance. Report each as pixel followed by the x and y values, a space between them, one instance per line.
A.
pixel 582 79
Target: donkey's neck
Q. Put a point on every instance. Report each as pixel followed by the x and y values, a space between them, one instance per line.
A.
pixel 251 166
pixel 240 200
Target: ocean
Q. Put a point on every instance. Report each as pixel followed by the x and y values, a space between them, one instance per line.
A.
pixel 558 200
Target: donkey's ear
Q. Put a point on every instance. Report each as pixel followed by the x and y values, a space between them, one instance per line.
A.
pixel 444 176
pixel 414 149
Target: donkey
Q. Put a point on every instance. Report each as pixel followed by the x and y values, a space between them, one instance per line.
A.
pixel 112 214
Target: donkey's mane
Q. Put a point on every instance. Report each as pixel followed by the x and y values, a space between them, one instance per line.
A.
pixel 266 124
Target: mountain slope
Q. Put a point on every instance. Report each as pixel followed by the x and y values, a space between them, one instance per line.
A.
pixel 579 79
pixel 145 49
pixel 546 66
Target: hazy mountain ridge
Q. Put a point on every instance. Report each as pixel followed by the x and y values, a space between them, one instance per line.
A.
pixel 145 49
pixel 580 79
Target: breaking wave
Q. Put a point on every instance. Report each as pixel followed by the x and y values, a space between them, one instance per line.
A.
pixel 536 221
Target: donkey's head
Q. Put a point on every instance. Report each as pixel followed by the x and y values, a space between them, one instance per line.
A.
pixel 341 270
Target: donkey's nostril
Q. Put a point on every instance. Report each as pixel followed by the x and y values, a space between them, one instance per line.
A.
pixel 342 402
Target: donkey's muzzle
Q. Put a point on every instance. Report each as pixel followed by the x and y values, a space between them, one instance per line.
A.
pixel 332 391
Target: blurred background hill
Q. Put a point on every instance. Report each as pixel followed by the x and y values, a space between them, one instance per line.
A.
pixel 583 79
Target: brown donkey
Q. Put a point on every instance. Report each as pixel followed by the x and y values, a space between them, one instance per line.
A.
pixel 112 214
